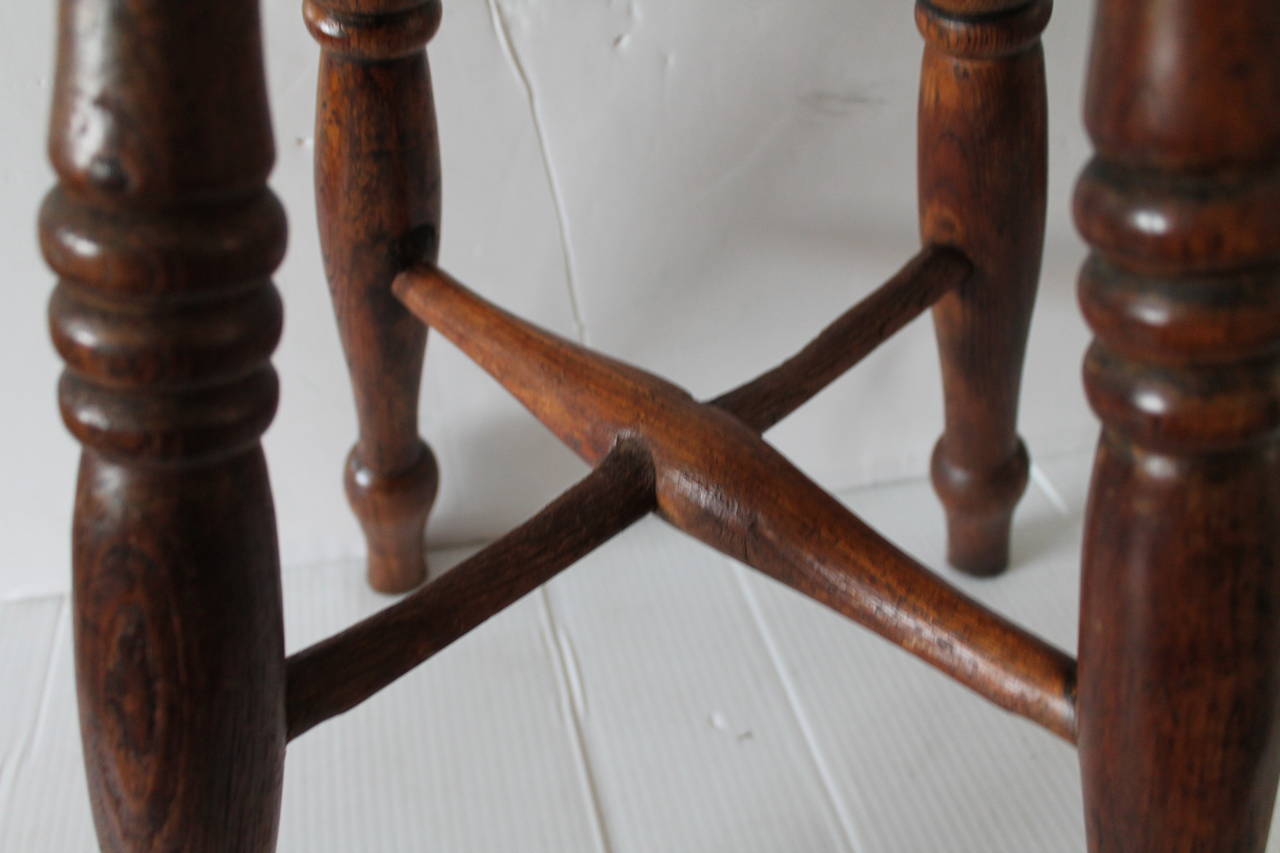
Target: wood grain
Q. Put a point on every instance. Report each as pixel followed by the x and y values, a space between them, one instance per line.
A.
pixel 1179 640
pixel 378 201
pixel 719 481
pixel 164 237
pixel 342 671
pixel 770 397
pixel 983 152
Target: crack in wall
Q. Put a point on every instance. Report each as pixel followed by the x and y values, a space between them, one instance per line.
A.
pixel 502 29
pixel 12 765
pixel 1051 493
pixel 573 696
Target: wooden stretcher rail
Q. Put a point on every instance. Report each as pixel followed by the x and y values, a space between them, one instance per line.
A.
pixel 718 480
pixel 770 397
pixel 342 671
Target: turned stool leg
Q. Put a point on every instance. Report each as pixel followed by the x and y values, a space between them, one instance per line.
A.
pixel 378 198
pixel 164 237
pixel 1180 628
pixel 982 189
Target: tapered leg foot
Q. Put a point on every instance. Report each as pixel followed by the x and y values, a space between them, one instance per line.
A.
pixel 979 506
pixel 393 512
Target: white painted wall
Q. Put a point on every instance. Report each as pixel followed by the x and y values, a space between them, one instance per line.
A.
pixel 694 187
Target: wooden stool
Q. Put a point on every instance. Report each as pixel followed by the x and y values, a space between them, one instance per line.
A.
pixel 164 236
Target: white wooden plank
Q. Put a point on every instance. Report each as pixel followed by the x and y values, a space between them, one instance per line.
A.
pixel 44 802
pixel 692 742
pixel 472 751
pixel 923 763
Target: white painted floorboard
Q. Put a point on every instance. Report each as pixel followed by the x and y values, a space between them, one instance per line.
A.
pixel 472 751
pixel 921 762
pixel 655 698
pixel 693 742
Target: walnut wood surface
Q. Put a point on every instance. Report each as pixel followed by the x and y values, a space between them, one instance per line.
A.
pixel 1179 636
pixel 719 481
pixel 770 397
pixel 378 203
pixel 164 237
pixel 982 150
pixel 338 673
